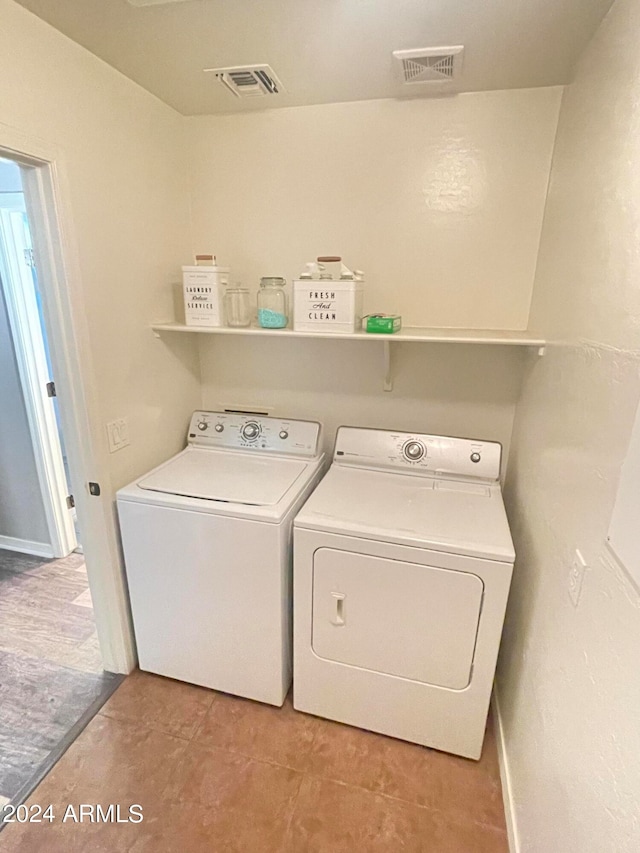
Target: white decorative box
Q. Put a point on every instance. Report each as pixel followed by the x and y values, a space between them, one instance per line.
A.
pixel 203 289
pixel 327 306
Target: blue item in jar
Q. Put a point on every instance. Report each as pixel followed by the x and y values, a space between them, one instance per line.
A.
pixel 271 319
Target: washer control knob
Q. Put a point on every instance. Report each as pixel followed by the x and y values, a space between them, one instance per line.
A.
pixel 203 425
pixel 413 451
pixel 250 430
pixel 219 427
pixel 475 457
pixel 283 434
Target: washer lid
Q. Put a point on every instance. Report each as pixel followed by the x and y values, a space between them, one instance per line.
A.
pixel 453 516
pixel 232 477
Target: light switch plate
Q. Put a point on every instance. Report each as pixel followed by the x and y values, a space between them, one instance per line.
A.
pixel 576 577
pixel 118 434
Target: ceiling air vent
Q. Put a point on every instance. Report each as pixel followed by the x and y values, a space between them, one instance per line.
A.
pixel 247 81
pixel 432 66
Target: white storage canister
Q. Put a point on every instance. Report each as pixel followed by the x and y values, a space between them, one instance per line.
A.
pixel 327 306
pixel 203 288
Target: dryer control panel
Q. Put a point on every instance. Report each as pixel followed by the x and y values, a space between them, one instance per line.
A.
pixel 254 432
pixel 417 453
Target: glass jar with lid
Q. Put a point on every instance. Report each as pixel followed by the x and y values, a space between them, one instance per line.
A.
pixel 237 306
pixel 272 303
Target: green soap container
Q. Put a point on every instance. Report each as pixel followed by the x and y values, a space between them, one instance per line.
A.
pixel 382 324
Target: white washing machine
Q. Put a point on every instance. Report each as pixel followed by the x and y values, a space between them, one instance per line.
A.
pixel 207 546
pixel 402 566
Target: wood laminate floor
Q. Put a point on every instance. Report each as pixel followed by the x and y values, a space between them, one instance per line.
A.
pixel 216 773
pixel 50 665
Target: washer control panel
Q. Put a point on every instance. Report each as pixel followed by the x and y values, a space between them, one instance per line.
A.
pixel 254 432
pixel 433 455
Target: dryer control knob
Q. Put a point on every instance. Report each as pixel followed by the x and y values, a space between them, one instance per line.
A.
pixel 475 457
pixel 413 451
pixel 250 430
pixel 219 428
pixel 283 434
pixel 202 425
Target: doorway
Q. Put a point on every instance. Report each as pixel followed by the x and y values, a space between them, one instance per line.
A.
pixel 33 444
pixel 51 664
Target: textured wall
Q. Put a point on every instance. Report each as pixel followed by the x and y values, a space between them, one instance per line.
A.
pixel 568 681
pixel 440 201
pixel 120 158
pixel 121 151
pixel 470 391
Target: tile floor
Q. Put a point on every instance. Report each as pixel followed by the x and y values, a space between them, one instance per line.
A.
pixel 50 665
pixel 216 773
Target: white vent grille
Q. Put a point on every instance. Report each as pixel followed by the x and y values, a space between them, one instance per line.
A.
pixel 248 81
pixel 430 65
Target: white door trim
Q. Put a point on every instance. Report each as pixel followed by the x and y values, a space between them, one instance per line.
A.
pixel 48 203
pixel 29 348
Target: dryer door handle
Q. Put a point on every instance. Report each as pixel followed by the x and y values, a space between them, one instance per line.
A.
pixel 339 607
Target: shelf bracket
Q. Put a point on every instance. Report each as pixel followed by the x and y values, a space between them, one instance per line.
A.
pixel 388 378
pixel 541 351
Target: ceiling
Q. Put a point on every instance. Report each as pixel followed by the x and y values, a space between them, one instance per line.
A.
pixel 324 51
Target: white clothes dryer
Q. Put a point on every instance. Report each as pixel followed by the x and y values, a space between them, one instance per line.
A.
pixel 402 566
pixel 208 552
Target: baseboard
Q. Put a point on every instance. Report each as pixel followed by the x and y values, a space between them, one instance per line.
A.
pixel 505 778
pixel 24 546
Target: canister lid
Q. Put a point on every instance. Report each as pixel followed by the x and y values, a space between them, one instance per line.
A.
pixel 269 280
pixel 206 269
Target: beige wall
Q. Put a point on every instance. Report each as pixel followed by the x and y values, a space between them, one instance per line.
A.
pixel 439 388
pixel 121 154
pixel 568 682
pixel 119 165
pixel 439 201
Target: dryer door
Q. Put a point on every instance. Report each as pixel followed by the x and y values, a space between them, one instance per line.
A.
pixel 397 618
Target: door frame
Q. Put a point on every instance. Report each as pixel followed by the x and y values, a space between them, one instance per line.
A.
pixel 30 351
pixel 47 197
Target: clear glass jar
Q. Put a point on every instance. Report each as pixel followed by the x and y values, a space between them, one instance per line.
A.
pixel 237 306
pixel 272 303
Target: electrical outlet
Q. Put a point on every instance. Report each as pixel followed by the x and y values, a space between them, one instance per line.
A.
pixel 118 433
pixel 576 577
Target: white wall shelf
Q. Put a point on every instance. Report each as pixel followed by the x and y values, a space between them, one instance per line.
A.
pixel 407 334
